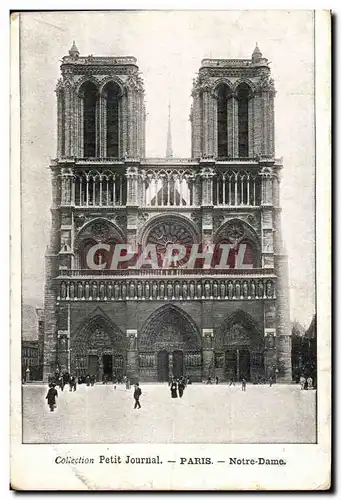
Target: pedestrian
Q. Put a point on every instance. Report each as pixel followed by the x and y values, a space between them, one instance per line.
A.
pixel 137 394
pixel 181 387
pixel 209 381
pixel 127 382
pixel 243 384
pixel 302 382
pixel 217 380
pixel 92 380
pixel 310 383
pixel 270 381
pixel 173 389
pixel 231 381
pixel 51 396
pixel 87 378
pixel 306 384
pixel 73 383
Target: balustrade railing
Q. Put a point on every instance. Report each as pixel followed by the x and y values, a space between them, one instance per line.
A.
pixel 182 289
pixel 169 272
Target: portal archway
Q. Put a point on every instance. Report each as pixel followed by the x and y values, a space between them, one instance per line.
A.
pixel 172 335
pixel 99 348
pixel 240 341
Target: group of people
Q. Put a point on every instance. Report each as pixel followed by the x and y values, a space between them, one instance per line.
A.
pixel 177 386
pixel 306 383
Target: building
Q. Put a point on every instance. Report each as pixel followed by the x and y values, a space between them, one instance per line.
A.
pixel 304 352
pixel 152 323
pixel 29 360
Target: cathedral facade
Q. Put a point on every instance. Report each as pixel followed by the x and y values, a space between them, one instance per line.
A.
pixel 151 323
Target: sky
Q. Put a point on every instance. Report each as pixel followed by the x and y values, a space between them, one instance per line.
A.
pixel 169 46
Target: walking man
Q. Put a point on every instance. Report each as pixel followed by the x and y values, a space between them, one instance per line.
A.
pixel 181 387
pixel 137 394
pixel 51 396
pixel 243 384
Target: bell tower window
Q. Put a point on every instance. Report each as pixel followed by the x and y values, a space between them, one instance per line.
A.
pixel 223 93
pixel 243 93
pixel 89 127
pixel 112 119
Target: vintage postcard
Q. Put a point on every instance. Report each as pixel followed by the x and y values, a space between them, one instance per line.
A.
pixel 170 279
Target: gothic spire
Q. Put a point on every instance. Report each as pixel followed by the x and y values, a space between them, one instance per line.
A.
pixel 169 150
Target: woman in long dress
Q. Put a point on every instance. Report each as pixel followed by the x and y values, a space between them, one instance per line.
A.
pixel 173 388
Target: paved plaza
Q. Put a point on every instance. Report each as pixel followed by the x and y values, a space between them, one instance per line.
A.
pixel 205 414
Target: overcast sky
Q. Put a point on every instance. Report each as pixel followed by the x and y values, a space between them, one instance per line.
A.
pixel 169 46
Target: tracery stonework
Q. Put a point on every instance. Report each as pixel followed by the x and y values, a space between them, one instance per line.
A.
pixel 152 323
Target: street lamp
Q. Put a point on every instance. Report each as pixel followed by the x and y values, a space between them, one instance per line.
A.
pixel 69 357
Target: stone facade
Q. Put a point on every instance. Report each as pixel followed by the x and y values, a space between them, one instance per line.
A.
pixel 227 321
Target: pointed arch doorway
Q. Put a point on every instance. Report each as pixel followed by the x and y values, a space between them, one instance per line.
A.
pixel 174 339
pixel 163 366
pixel 99 348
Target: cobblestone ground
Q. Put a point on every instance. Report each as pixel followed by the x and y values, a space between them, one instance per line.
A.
pixel 205 414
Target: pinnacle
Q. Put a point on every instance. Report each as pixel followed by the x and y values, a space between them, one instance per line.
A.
pixel 74 51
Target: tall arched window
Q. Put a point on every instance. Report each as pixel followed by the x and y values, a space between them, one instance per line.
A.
pixel 89 122
pixel 223 93
pixel 243 93
pixel 113 95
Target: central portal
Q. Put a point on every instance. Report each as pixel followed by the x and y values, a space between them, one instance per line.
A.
pixel 172 340
pixel 107 366
pixel 163 366
pixel 178 364
pixel 237 364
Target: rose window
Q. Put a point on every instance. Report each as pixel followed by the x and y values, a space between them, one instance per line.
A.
pixel 170 233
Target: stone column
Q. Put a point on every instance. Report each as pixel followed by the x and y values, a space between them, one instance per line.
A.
pixel 205 122
pixel 132 356
pixel 207 175
pixel 230 127
pixel 210 120
pixel 257 123
pixel 170 364
pixel 196 126
pixel 130 125
pixel 68 119
pixel 271 120
pixel 207 353
pixel 60 125
pixel 102 126
pixel 235 131
pixel 251 126
pixel 214 125
pixel 143 153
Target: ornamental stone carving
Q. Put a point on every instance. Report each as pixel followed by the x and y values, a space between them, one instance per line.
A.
pixel 100 230
pixel 266 84
pixel 235 231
